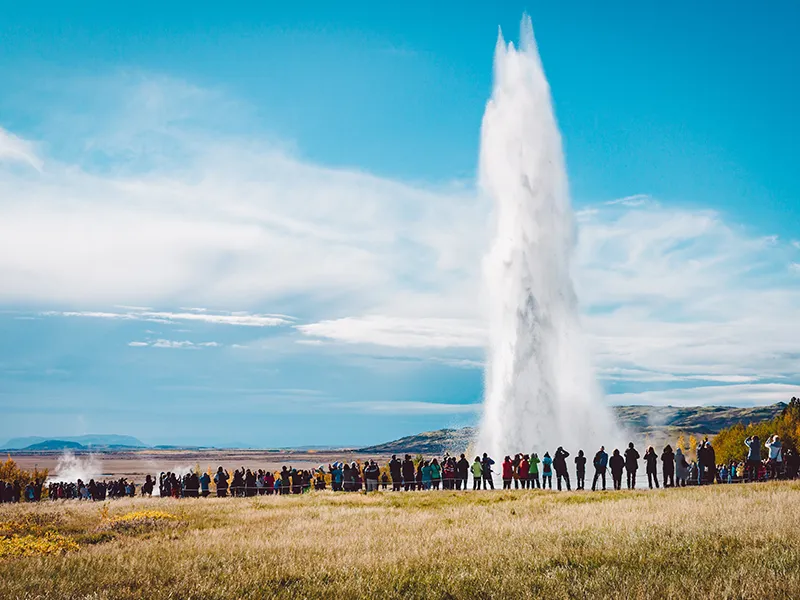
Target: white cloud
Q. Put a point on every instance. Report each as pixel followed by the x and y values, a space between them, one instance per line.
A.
pixel 400 332
pixel 796 244
pixel 403 407
pixel 161 343
pixel 632 201
pixel 238 319
pixel 186 218
pixel 13 148
pixel 725 395
pixel 459 363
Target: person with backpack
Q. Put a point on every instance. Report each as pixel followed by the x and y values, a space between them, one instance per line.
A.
pixel 547 471
pixel 600 462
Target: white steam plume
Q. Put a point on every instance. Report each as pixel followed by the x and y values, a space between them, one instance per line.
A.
pixel 70 468
pixel 541 391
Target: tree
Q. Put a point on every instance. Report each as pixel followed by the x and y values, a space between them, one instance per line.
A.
pixel 10 471
pixel 729 443
pixel 692 447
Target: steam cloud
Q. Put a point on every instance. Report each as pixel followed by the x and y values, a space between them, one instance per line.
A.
pixel 70 468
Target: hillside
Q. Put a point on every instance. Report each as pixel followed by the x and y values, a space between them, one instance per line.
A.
pixel 90 441
pixel 652 422
pixel 53 445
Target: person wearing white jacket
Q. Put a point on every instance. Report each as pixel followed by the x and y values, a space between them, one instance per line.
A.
pixel 775 456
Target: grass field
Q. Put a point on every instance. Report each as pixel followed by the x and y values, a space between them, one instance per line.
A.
pixel 737 541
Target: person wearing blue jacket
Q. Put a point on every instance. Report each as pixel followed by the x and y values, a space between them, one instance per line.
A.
pixel 600 463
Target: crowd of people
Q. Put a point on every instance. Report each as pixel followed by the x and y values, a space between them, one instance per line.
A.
pixel 522 471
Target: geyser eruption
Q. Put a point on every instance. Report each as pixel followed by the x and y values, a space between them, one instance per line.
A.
pixel 541 392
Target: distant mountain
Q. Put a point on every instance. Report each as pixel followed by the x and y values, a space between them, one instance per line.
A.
pixel 90 441
pixel 51 445
pixel 651 422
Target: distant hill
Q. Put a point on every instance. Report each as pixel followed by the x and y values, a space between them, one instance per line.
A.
pixel 654 422
pixel 90 441
pixel 51 445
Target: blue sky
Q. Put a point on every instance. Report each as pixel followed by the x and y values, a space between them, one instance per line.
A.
pixel 305 176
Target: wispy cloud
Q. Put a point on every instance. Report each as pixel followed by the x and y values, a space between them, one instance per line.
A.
pixel 724 395
pixel 402 407
pixel 13 148
pixel 631 201
pixel 161 343
pixel 139 314
pixel 400 332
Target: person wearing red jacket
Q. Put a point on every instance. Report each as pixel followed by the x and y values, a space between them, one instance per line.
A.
pixel 524 466
pixel 508 473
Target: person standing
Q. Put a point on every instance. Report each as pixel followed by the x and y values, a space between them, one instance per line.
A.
pixel 508 473
pixel 711 463
pixel 533 470
pixel 486 467
pixel 681 468
pixel 753 457
pixel 547 471
pixel 616 463
pixel 462 473
pixel 372 473
pixel 560 466
pixel 396 472
pixel 651 465
pixel 600 462
pixel 477 473
pixel 524 468
pixel 700 453
pixel 580 470
pixel 668 466
pixel 631 465
pixel 408 473
pixel 426 475
pixel 221 481
pixel 436 474
pixel 775 448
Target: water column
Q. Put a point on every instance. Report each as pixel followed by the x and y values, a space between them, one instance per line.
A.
pixel 540 387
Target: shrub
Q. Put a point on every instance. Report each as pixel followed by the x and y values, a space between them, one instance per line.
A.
pixel 33 545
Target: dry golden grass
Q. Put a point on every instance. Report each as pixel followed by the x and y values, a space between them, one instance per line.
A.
pixel 740 541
